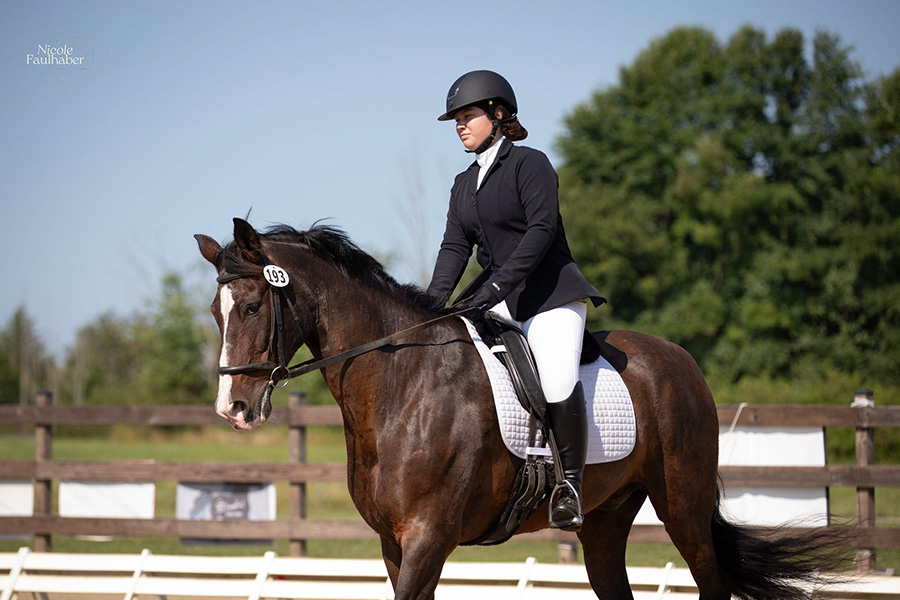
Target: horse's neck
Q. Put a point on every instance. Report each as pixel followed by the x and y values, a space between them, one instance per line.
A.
pixel 349 320
pixel 346 322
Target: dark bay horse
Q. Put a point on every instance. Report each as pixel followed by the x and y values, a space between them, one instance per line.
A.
pixel 426 465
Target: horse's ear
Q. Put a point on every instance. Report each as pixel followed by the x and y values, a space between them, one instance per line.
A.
pixel 209 248
pixel 248 241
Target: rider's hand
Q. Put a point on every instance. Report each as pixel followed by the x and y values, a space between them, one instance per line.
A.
pixel 483 299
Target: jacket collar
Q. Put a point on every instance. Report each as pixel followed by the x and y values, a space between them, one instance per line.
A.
pixel 487 157
pixel 472 171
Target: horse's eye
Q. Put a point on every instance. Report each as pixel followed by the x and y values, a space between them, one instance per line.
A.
pixel 251 309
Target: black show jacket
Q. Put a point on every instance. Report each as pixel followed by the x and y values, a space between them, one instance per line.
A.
pixel 514 221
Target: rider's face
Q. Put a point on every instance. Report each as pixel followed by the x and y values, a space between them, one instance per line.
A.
pixel 472 126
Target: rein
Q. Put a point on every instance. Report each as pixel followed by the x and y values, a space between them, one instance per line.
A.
pixel 280 371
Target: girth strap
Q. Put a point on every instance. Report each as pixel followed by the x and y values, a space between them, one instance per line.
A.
pixel 531 487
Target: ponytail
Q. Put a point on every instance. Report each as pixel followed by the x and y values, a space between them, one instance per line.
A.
pixel 510 126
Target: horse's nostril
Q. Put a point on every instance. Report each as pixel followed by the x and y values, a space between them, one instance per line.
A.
pixel 237 408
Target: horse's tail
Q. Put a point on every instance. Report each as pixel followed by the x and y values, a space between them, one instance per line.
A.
pixel 769 564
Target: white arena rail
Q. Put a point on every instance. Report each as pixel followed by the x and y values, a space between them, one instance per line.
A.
pixel 143 576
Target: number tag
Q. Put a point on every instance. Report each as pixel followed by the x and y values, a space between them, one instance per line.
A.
pixel 276 276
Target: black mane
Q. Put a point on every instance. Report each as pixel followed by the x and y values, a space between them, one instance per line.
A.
pixel 335 247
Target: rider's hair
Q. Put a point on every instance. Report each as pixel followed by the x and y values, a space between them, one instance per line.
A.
pixel 511 128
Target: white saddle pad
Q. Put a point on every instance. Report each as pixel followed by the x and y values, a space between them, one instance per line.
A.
pixel 611 432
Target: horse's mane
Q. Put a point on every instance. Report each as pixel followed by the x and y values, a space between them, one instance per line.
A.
pixel 337 249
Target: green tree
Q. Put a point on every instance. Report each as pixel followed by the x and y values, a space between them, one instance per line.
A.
pixel 104 361
pixel 172 342
pixel 9 368
pixel 741 200
pixel 25 366
pixel 157 357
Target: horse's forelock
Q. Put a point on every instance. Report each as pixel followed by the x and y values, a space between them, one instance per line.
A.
pixel 235 265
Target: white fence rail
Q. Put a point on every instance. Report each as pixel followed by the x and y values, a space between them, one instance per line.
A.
pixel 137 577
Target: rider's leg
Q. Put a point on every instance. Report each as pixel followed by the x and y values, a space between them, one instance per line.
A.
pixel 555 338
pixel 568 423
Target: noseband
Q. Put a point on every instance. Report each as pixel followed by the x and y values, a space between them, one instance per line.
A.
pixel 280 371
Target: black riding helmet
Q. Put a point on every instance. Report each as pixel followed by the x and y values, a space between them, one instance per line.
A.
pixel 479 87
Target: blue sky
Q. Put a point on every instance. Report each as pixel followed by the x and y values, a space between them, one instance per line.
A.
pixel 193 112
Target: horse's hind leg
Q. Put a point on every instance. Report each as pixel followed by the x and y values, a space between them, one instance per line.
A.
pixel 686 509
pixel 692 535
pixel 603 537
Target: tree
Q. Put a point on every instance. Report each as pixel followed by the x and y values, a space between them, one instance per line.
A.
pixel 741 200
pixel 158 357
pixel 25 366
pixel 104 362
pixel 9 368
pixel 172 342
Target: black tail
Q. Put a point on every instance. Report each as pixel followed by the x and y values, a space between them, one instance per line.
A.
pixel 767 564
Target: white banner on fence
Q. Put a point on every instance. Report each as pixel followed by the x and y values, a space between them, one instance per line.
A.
pixel 107 500
pixel 220 501
pixel 16 499
pixel 775 447
pixel 768 447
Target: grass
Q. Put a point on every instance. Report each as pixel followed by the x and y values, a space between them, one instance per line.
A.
pixel 325 500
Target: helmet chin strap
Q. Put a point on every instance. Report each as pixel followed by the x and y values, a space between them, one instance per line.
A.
pixel 488 140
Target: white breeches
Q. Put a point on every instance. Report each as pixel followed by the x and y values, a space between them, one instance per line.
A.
pixel 555 338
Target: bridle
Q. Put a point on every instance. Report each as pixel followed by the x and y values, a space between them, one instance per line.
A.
pixel 278 369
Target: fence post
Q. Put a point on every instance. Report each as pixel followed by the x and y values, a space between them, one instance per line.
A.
pixel 43 488
pixel 568 553
pixel 865 496
pixel 297 443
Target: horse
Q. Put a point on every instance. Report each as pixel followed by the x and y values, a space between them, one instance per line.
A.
pixel 426 466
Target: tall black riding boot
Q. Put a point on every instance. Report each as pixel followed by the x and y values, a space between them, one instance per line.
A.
pixel 568 422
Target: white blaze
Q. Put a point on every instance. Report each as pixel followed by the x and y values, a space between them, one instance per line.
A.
pixel 223 399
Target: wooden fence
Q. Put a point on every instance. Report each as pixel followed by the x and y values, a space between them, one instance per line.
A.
pixel 865 476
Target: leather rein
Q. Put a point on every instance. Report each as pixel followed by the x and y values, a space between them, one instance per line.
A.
pixel 280 371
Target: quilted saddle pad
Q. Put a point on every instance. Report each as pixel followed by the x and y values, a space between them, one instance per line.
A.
pixel 611 431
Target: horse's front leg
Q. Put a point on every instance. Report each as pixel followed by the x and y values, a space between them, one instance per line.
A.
pixel 423 550
pixel 391 553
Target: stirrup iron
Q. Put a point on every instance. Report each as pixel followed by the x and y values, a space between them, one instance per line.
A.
pixel 575 522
